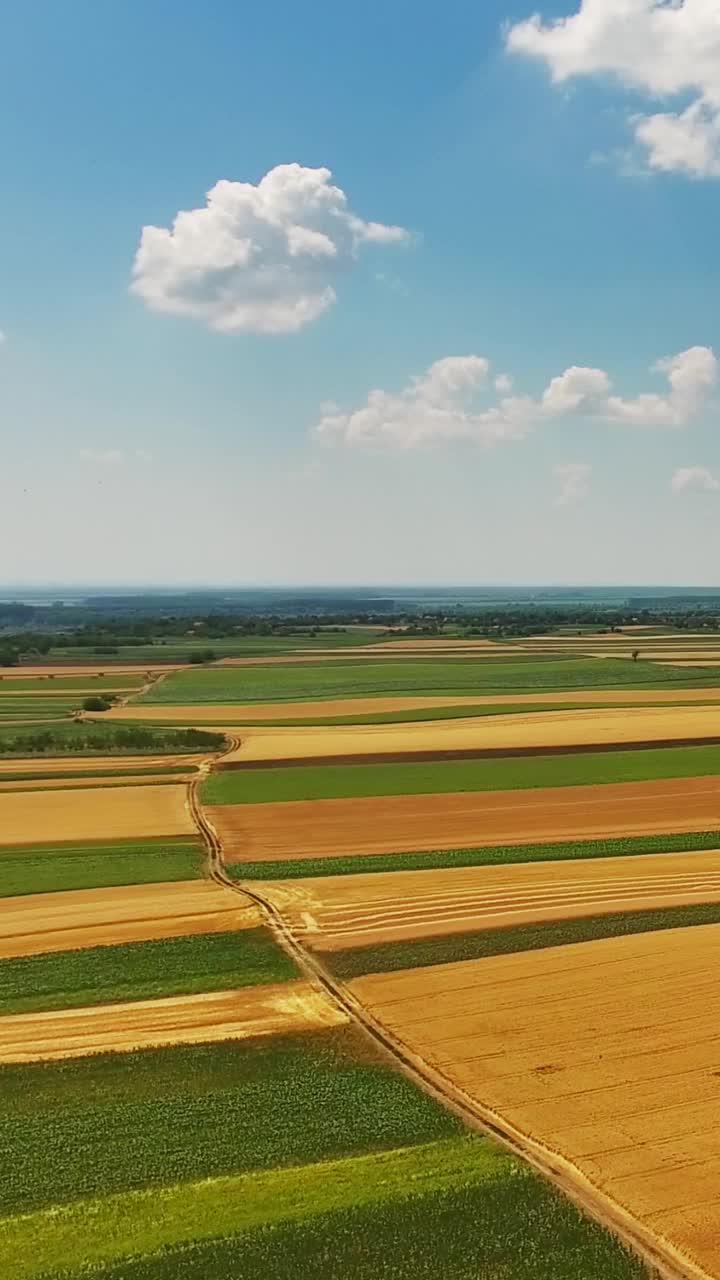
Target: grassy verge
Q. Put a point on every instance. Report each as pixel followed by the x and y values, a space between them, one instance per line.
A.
pixel 458 1208
pixel 508 773
pixel 115 1122
pixel 46 868
pixel 142 971
pixel 438 675
pixel 86 737
pixel 569 850
pixel 386 957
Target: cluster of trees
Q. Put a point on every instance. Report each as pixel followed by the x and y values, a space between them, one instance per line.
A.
pixel 107 739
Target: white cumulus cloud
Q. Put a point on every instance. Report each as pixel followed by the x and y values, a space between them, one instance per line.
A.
pixel 114 457
pixel 457 400
pixel 697 479
pixel 257 259
pixel 667 50
pixel 574 478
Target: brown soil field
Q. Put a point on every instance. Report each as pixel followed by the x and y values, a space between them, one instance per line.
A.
pixel 97 813
pixel 275 1009
pixel 89 784
pixel 79 918
pixel 397 824
pixel 605 1053
pixel 332 912
pixel 536 729
pixel 238 713
pixel 71 764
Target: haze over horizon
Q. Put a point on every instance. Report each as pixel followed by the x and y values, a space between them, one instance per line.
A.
pixel 410 296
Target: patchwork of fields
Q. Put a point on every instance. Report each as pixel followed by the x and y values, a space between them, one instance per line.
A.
pixel 342 993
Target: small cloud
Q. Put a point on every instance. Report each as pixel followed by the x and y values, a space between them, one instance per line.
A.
pixel 694 480
pixel 503 384
pixel 103 457
pixel 574 480
pixel 3 337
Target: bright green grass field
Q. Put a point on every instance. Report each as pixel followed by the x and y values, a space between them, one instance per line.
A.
pixel 387 957
pixel 142 971
pixel 94 1126
pixel 457 1208
pixel 47 868
pixel 356 678
pixel 179 649
pixel 330 781
pixel 490 855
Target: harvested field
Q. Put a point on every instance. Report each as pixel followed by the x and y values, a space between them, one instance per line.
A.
pixel 122 779
pixel 69 920
pixel 538 730
pixel 355 911
pixel 102 812
pixel 604 1052
pixel 276 1009
pixel 105 668
pixel 238 713
pixel 408 823
pixel 44 765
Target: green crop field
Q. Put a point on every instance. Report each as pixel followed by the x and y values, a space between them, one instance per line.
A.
pixel 142 971
pixel 402 675
pixel 94 1126
pixel 180 648
pixel 48 868
pixel 570 850
pixel 451 1208
pixel 387 957
pixel 329 781
pixel 90 737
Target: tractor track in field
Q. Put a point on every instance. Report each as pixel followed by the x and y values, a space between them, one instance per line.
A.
pixel 663 1261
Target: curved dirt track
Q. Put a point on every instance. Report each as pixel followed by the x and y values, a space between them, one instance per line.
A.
pixel 334 912
pixel 95 813
pixel 75 918
pixel 273 1009
pixel 533 731
pixel 404 824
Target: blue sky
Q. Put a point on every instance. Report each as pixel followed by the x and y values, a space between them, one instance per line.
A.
pixel 530 217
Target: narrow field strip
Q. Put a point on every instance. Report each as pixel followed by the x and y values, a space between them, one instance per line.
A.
pixel 577 729
pixel 245 1013
pixel 605 1052
pixel 93 1126
pixel 424 707
pixel 85 782
pixel 389 957
pixel 331 914
pixel 70 921
pixel 110 974
pixel 382 825
pixel 334 781
pixel 99 813
pixel 445 859
pixel 48 868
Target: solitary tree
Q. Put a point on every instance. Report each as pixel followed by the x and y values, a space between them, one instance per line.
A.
pixel 635 655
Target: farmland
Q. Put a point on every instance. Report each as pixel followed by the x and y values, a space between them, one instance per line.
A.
pixel 183 1098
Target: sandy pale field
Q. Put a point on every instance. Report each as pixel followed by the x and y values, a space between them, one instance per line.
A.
pixel 236 713
pixel 97 813
pixel 396 824
pixel 74 763
pixel 605 1052
pixel 59 784
pixel 275 1009
pixel 535 730
pixel 132 913
pixel 106 669
pixel 332 912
